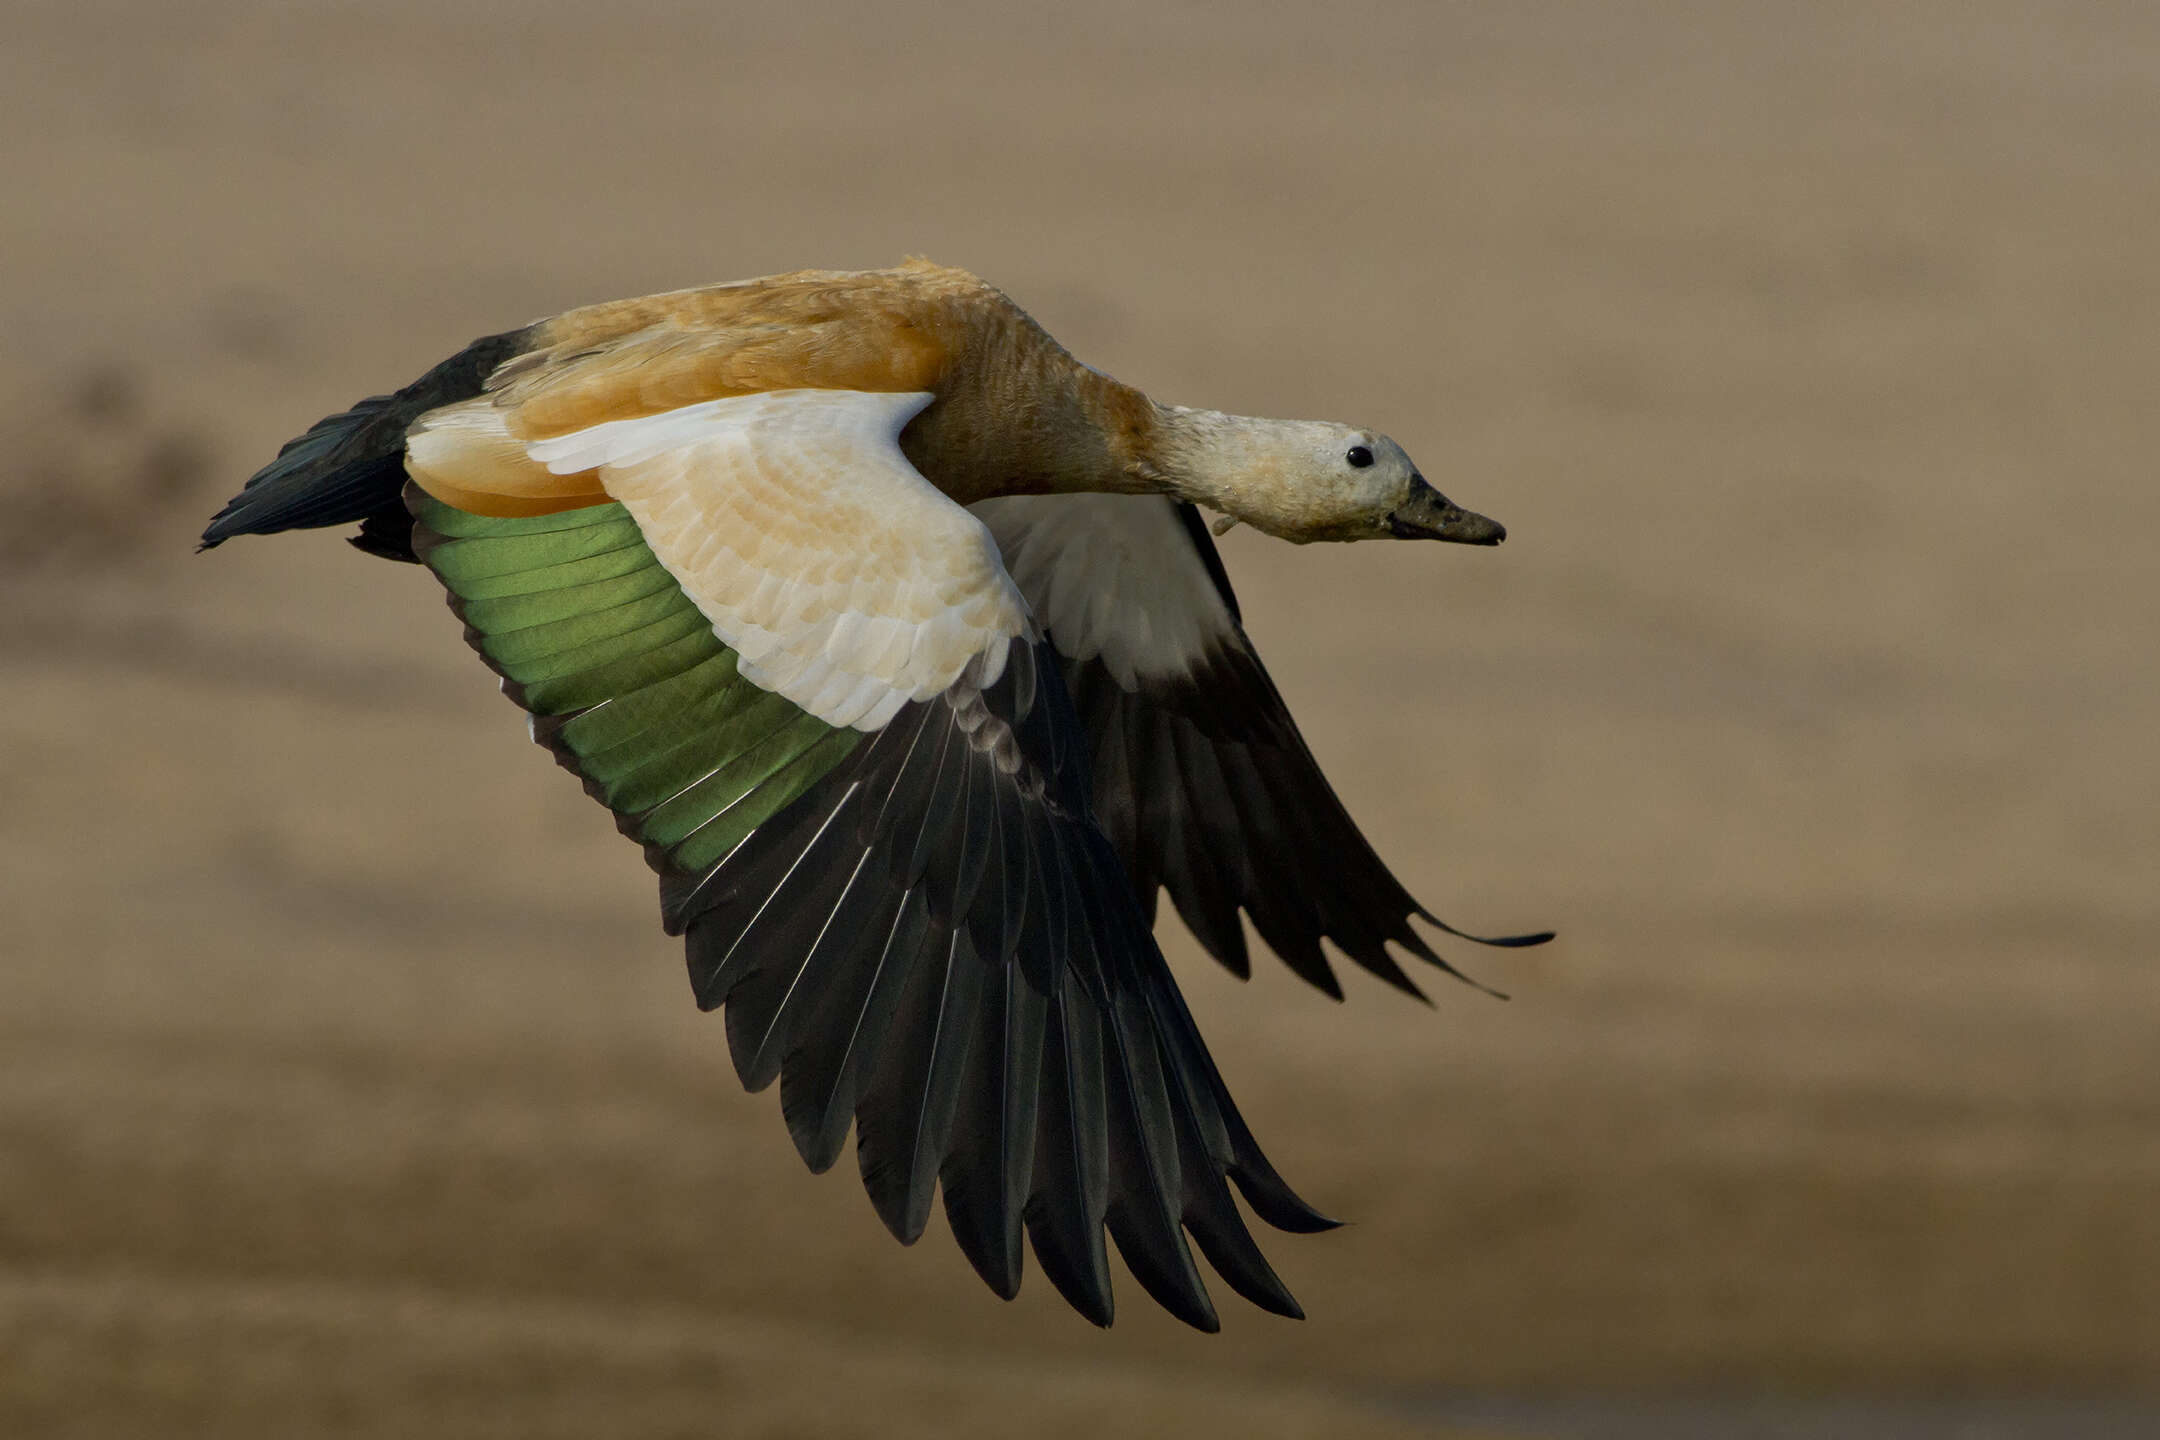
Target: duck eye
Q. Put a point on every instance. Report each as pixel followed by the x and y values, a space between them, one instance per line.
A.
pixel 1359 457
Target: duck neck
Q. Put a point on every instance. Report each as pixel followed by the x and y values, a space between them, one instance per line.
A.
pixel 1230 463
pixel 1023 417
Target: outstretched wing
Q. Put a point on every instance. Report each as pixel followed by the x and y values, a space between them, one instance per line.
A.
pixel 1201 778
pixel 875 838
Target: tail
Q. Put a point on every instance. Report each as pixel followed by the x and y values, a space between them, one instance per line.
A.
pixel 351 467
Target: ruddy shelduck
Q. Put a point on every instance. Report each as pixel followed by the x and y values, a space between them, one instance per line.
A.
pixel 894 634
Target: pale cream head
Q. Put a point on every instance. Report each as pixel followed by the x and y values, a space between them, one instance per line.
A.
pixel 1305 480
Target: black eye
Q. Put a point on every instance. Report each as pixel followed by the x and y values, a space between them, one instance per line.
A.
pixel 1359 457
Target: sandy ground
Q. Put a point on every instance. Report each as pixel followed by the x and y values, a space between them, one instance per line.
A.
pixel 348 1087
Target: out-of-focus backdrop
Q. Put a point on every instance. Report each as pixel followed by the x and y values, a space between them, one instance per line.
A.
pixel 347 1085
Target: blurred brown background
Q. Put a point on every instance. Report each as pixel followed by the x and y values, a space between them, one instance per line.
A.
pixel 347 1085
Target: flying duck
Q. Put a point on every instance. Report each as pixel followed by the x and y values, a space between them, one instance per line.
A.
pixel 895 636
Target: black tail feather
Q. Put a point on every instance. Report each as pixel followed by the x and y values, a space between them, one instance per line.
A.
pixel 351 467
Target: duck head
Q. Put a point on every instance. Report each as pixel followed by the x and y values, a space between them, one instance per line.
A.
pixel 1306 480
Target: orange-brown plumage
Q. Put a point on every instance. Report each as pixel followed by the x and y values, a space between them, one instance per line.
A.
pixel 1013 412
pixel 876 331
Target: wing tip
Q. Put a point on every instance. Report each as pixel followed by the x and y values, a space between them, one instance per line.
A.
pixel 1497 942
pixel 1274 1201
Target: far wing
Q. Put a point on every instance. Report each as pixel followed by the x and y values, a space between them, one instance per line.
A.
pixel 1200 776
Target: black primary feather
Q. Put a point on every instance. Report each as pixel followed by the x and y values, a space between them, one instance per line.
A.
pixel 937 937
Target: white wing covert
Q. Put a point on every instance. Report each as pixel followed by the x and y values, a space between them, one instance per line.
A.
pixel 844 580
